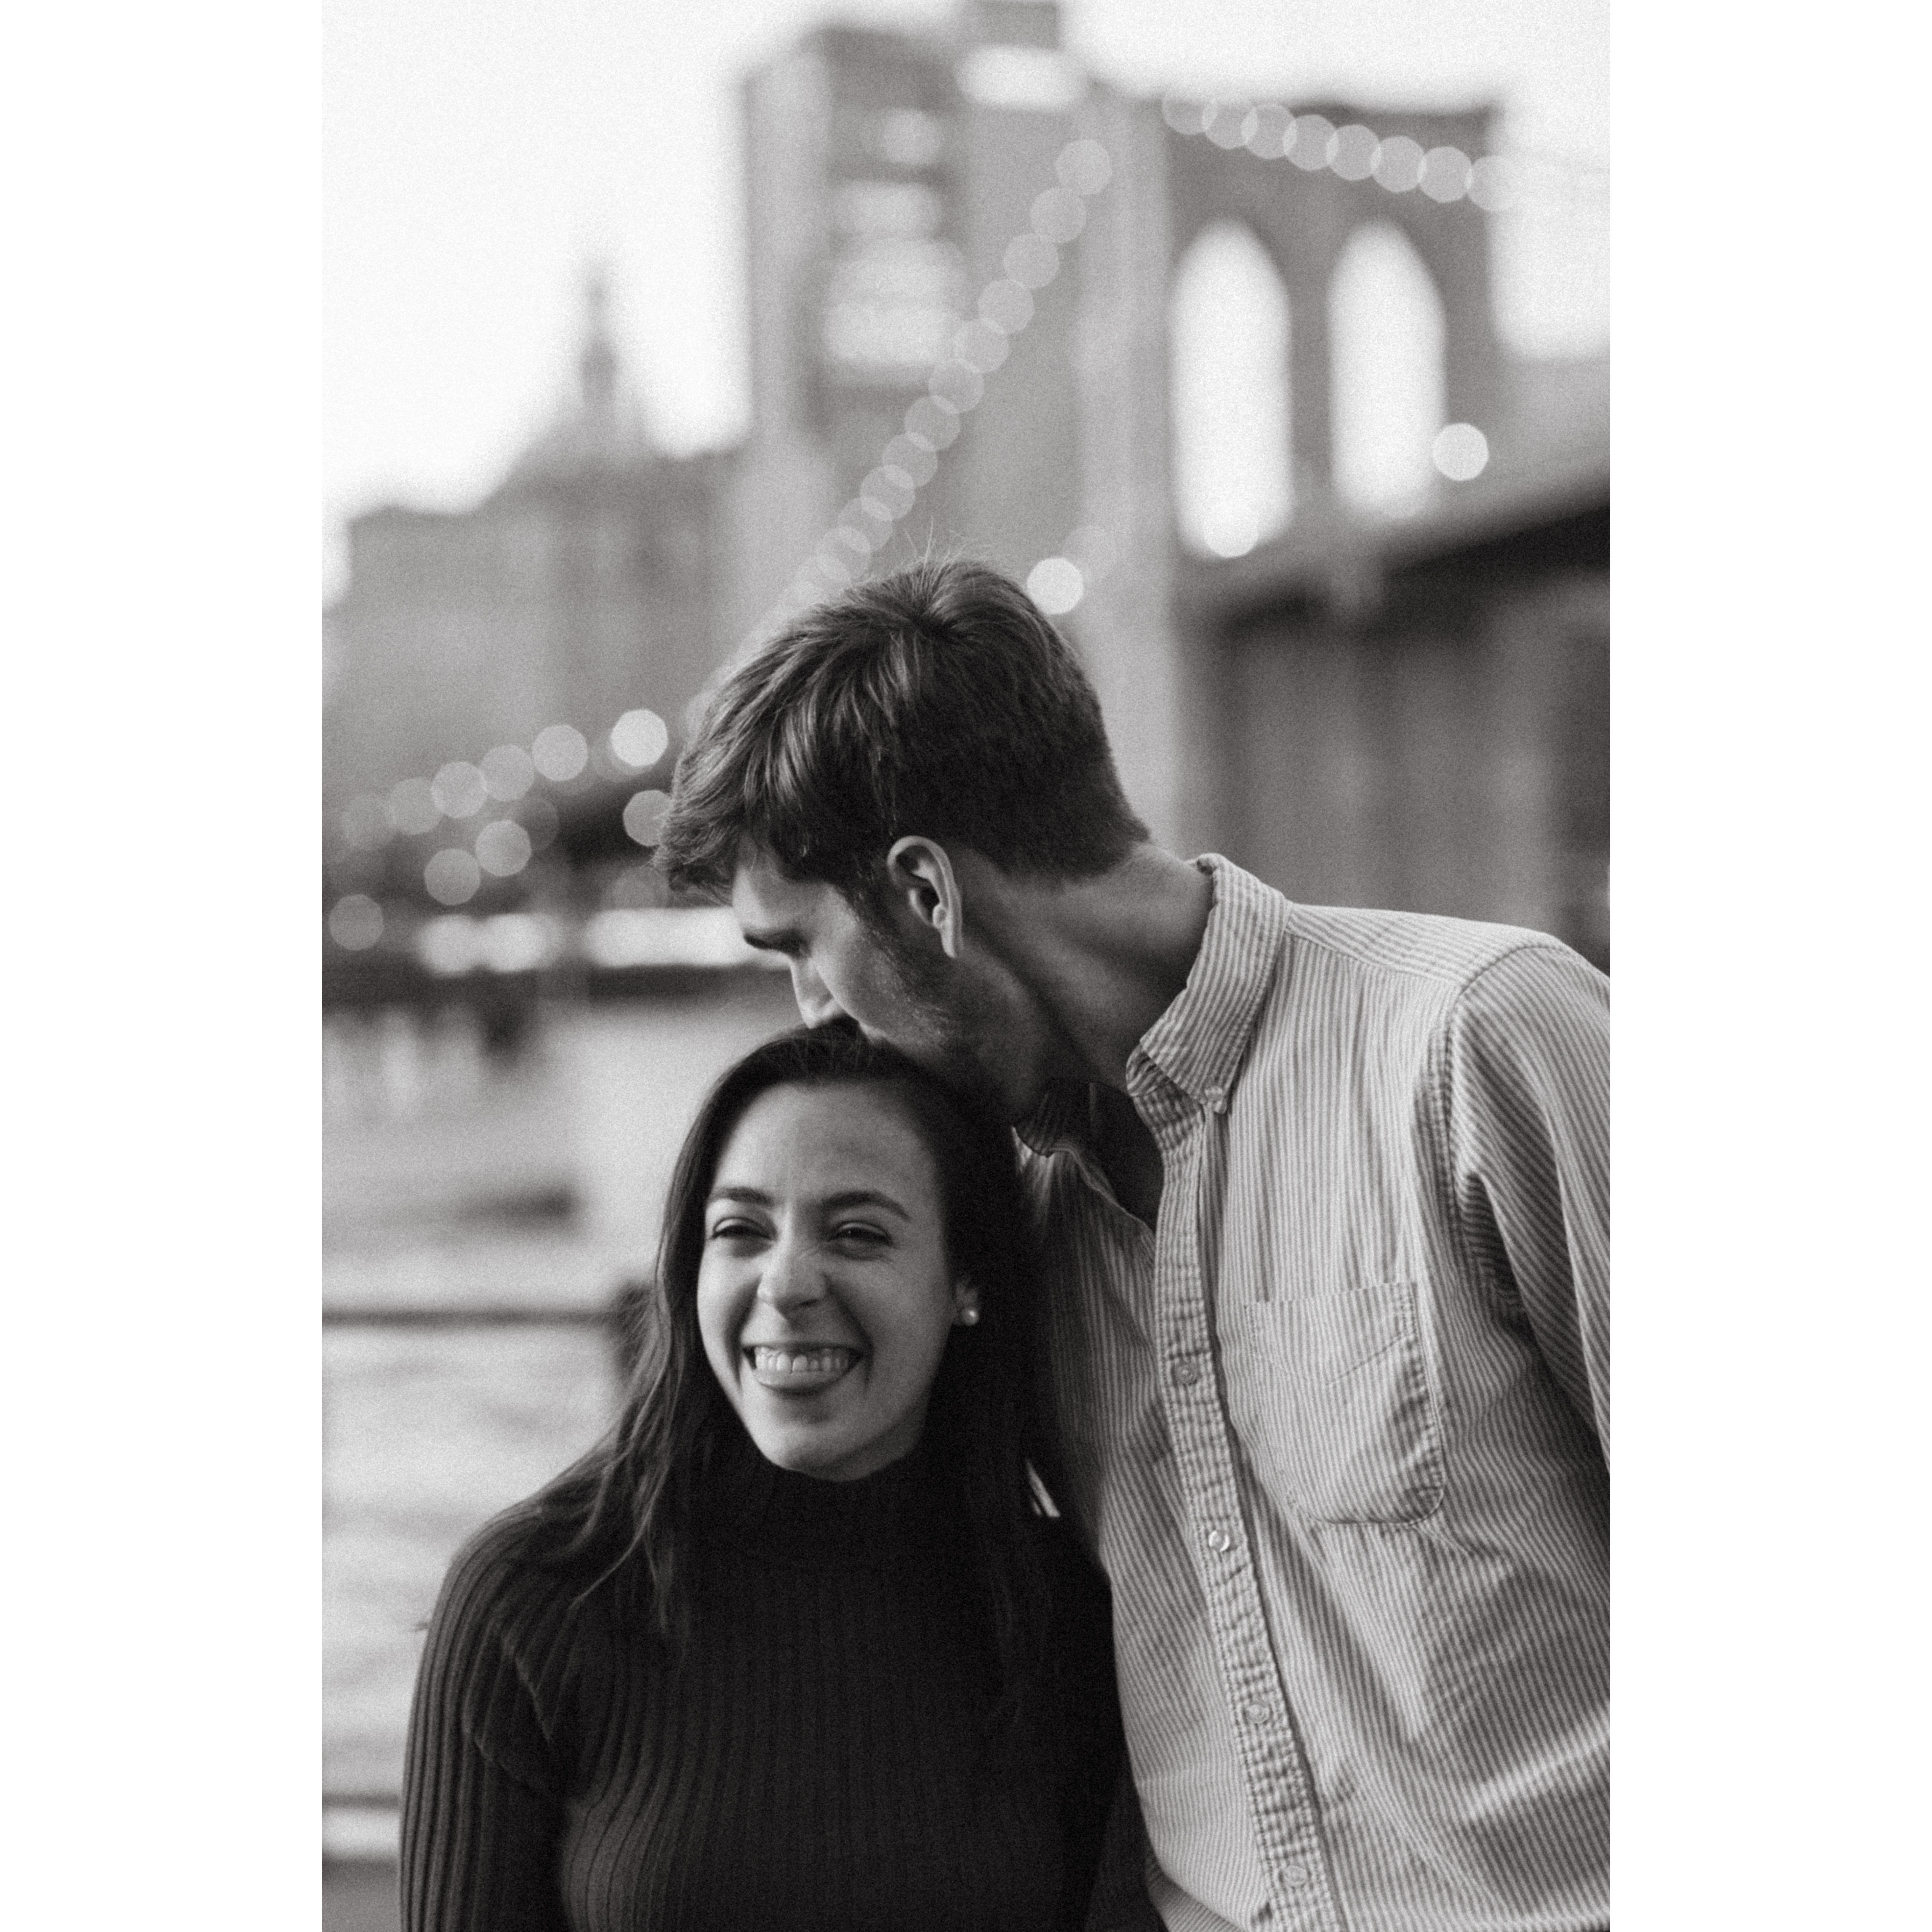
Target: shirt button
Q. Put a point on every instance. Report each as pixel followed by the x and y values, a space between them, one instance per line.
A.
pixel 1217 1098
pixel 1218 1540
pixel 1256 1711
pixel 1185 1372
pixel 1296 1875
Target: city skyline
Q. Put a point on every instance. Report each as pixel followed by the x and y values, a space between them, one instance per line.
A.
pixel 425 408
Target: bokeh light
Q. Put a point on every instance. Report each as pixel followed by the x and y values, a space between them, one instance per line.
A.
pixel 559 752
pixel 892 494
pixel 1085 165
pixel 1353 154
pixel 508 772
pixel 412 808
pixel 956 383
pixel 452 876
pixel 459 790
pixel 355 923
pixel 1055 584
pixel 1399 163
pixel 1031 260
pixel 1006 305
pixel 1227 125
pixel 644 816
pixel 932 422
pixel 1461 450
pixel 1270 131
pixel 1314 142
pixel 365 823
pixel 1445 174
pixel 852 547
pixel 1058 215
pixel 503 848
pixel 1184 116
pixel 981 347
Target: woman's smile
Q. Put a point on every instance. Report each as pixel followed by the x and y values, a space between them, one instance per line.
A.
pixel 798 1368
pixel 824 1295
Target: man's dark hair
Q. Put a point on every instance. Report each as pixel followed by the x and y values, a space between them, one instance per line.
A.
pixel 939 701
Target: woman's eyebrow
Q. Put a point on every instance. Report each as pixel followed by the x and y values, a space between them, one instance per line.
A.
pixel 863 1197
pixel 757 1196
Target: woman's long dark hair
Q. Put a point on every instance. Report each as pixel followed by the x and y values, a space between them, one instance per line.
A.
pixel 631 1506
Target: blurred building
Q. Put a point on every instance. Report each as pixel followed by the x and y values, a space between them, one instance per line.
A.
pixel 582 586
pixel 1391 686
pixel 1220 382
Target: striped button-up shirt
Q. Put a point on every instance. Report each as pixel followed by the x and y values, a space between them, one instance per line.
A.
pixel 1336 1426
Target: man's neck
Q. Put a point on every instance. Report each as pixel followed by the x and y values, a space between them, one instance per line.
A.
pixel 1100 958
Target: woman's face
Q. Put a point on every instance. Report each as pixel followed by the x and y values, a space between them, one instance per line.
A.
pixel 824 1296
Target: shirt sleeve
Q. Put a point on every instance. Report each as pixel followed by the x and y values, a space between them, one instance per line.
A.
pixel 483 1809
pixel 1529 1050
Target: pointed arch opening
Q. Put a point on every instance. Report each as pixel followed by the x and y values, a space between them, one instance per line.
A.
pixel 1386 326
pixel 1228 328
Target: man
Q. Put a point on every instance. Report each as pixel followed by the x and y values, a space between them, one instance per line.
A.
pixel 1323 1193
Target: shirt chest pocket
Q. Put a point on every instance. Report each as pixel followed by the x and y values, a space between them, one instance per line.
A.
pixel 1329 1393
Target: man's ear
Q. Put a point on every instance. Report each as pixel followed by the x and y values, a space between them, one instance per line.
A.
pixel 923 886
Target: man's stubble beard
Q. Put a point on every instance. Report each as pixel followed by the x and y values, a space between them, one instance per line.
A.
pixel 959 1034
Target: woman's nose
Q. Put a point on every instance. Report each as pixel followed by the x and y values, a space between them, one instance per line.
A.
pixel 789 1278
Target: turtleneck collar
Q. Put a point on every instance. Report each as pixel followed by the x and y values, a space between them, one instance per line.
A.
pixel 875 1519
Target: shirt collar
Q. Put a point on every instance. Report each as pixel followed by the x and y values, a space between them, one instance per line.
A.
pixel 1199 1042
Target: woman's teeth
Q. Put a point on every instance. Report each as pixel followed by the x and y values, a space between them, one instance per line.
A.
pixel 802 1362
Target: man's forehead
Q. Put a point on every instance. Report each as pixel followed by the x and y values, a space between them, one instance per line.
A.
pixel 763 896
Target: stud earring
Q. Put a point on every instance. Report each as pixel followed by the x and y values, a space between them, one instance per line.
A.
pixel 969 1313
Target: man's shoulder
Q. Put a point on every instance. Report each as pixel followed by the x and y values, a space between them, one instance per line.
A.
pixel 1424 954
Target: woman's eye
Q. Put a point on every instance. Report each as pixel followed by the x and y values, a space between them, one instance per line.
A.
pixel 856 1233
pixel 733 1231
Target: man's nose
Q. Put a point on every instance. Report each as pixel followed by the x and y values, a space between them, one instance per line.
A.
pixel 789 1279
pixel 816 1006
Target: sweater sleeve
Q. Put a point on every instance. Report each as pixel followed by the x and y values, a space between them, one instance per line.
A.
pixel 1529 1067
pixel 483 1809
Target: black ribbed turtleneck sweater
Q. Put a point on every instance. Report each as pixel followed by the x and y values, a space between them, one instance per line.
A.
pixel 814 1761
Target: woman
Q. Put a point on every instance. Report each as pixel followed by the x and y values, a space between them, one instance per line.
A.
pixel 793 1648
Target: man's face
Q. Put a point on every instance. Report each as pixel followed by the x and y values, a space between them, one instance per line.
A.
pixel 933 1010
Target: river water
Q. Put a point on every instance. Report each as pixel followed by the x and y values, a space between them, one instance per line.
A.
pixel 461 1176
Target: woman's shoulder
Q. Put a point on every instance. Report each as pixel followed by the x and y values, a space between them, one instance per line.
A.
pixel 512 1578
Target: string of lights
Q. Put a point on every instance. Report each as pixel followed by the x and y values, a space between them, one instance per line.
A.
pixel 910 460
pixel 503 845
pixel 1396 162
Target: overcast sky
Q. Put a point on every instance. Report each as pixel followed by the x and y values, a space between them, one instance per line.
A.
pixel 478 151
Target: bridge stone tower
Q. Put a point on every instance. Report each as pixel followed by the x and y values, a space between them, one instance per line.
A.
pixel 1157 675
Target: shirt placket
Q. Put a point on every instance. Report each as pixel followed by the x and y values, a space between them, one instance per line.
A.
pixel 1280 1792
